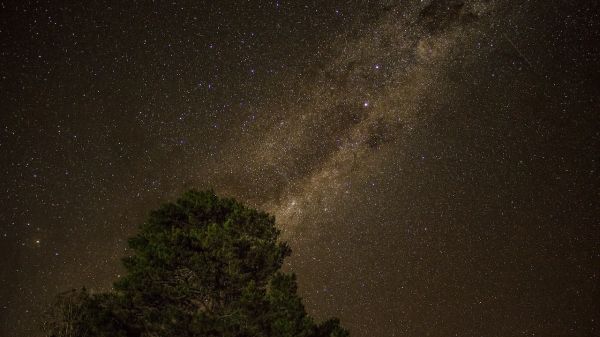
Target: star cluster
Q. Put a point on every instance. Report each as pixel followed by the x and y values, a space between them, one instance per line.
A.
pixel 433 164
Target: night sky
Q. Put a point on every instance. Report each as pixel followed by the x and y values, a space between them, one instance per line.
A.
pixel 433 164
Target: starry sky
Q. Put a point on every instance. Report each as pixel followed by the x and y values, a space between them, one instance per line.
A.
pixel 433 164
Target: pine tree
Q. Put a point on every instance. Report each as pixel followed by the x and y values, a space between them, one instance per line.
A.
pixel 202 266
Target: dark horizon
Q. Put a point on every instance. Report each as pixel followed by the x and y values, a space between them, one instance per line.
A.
pixel 433 164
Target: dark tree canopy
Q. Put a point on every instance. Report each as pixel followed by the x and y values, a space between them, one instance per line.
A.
pixel 202 266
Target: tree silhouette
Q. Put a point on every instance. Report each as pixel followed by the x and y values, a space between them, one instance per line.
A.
pixel 202 266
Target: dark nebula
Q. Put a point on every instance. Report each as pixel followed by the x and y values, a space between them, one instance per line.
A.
pixel 434 164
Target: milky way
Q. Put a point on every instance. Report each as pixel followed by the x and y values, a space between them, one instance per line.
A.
pixel 433 164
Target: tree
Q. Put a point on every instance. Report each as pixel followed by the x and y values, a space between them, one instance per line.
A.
pixel 202 266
